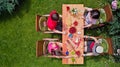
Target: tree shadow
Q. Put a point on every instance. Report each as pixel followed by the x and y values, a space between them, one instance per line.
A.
pixel 82 65
pixel 78 65
pixel 94 58
pixel 20 10
pixel 99 31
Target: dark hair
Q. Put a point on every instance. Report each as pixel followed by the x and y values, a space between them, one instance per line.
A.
pixel 55 52
pixel 52 52
pixel 95 14
pixel 55 16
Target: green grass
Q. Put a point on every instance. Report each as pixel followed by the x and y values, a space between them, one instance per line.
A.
pixel 18 36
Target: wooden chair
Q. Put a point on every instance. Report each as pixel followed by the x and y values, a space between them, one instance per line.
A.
pixel 41 46
pixel 110 46
pixel 37 22
pixel 108 11
pixel 110 49
pixel 105 18
pixel 41 25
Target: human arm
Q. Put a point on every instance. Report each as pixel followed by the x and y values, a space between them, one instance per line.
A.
pixel 87 26
pixel 95 39
pixel 46 15
pixel 59 44
pixel 61 56
pixel 88 54
pixel 57 31
pixel 88 9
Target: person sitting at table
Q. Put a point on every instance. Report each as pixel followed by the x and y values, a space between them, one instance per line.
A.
pixel 55 49
pixel 91 16
pixel 92 48
pixel 54 22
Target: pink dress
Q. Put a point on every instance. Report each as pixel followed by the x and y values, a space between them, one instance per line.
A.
pixel 50 47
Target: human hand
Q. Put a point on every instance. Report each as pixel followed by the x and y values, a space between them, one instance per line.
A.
pixel 82 17
pixel 64 27
pixel 82 27
pixel 83 55
pixel 64 32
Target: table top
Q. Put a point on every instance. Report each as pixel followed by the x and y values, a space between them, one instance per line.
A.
pixel 73 25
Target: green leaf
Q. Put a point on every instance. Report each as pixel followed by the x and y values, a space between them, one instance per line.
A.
pixel 10 7
pixel 118 4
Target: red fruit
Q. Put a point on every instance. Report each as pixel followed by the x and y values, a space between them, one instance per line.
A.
pixel 72 30
pixel 78 53
pixel 75 23
pixel 68 8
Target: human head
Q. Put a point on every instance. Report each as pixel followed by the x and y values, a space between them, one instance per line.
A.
pixel 55 16
pixel 95 14
pixel 51 22
pixel 99 49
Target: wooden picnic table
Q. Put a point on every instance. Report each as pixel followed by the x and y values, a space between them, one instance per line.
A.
pixel 73 24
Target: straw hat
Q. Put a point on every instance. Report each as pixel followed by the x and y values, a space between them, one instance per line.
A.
pixel 99 49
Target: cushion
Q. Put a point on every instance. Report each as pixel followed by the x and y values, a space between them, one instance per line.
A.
pixel 102 18
pixel 43 23
pixel 104 44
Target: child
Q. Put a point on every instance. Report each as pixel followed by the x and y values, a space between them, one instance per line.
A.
pixel 54 22
pixel 91 16
pixel 92 47
pixel 55 49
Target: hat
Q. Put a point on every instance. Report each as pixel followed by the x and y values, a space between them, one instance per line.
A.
pixel 99 49
pixel 104 44
pixel 55 16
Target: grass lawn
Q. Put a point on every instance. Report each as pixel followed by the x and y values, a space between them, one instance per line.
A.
pixel 18 36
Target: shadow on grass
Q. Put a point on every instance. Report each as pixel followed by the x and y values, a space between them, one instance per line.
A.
pixel 94 58
pixel 79 65
pixel 20 10
pixel 100 31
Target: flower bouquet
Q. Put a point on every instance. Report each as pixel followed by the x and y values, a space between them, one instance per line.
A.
pixel 74 11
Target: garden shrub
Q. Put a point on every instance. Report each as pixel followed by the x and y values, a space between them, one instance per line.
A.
pixel 8 6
